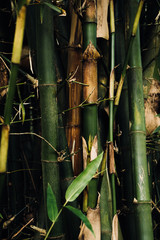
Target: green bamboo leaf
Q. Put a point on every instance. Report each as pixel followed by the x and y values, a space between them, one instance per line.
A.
pixel 1 216
pixel 55 8
pixel 78 185
pixel 156 130
pixel 51 204
pixel 84 219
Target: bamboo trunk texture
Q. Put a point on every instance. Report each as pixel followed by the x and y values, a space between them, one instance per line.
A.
pixel 90 87
pixel 49 112
pixel 142 197
pixel 73 128
pixel 123 120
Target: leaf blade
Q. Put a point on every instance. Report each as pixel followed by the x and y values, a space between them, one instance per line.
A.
pixel 52 209
pixel 79 214
pixel 78 185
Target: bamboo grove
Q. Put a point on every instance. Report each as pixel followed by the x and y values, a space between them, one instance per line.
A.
pixel 80 119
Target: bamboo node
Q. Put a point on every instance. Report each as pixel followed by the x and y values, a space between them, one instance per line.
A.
pixel 48 85
pixel 91 53
pixel 135 201
pixel 137 131
pixel 58 237
pixel 48 161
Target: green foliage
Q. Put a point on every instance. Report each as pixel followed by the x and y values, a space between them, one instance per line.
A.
pixel 79 214
pixel 56 9
pixel 78 185
pixel 51 204
pixel 156 130
pixel 73 191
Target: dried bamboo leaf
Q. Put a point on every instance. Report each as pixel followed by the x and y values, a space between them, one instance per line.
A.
pixel 102 24
pixel 85 152
pixel 115 227
pixel 93 216
pixel 94 148
pixel 111 159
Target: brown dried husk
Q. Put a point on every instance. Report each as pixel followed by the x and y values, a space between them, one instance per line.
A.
pixel 3 78
pixel 152 107
pixel 93 216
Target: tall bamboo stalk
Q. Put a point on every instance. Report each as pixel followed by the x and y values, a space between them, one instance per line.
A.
pixel 124 69
pixel 111 102
pixel 49 113
pixel 137 137
pixel 90 89
pixel 16 56
pixel 123 120
pixel 73 131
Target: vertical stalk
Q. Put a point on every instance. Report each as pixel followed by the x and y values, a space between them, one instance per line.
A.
pixel 73 131
pixel 111 102
pixel 133 34
pixel 123 120
pixel 90 89
pixel 49 112
pixel 142 197
pixel 15 61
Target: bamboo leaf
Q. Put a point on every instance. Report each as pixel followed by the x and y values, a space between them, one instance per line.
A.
pixel 51 204
pixel 156 130
pixel 55 8
pixel 78 185
pixel 1 216
pixel 84 219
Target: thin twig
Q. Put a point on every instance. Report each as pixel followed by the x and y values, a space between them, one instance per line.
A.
pixel 22 228
pixel 35 134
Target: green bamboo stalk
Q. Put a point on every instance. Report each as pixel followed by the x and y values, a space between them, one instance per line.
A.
pixel 133 34
pixel 90 95
pixel 111 102
pixel 137 137
pixel 123 120
pixel 16 56
pixel 48 102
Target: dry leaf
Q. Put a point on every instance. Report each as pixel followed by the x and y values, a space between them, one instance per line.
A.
pixel 102 14
pixel 85 152
pixel 115 227
pixel 94 149
pixel 93 216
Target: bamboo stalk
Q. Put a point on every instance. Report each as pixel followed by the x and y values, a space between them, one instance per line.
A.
pixel 16 56
pixel 138 139
pixel 90 89
pixel 73 130
pixel 123 120
pixel 133 34
pixel 49 112
pixel 111 103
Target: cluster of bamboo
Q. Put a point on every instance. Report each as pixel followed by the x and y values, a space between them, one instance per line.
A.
pixel 74 130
